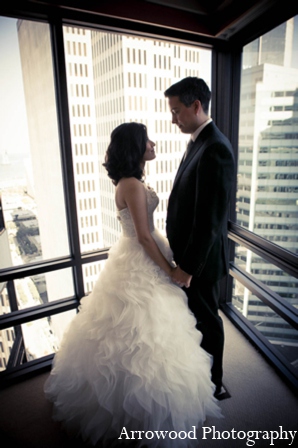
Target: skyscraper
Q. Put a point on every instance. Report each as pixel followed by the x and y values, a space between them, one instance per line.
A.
pixel 130 76
pixel 274 47
pixel 47 184
pixel 267 176
pixel 111 78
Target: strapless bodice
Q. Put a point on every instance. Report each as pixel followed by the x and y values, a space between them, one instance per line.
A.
pixel 126 220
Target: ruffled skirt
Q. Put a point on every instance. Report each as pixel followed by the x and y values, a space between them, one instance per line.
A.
pixel 131 359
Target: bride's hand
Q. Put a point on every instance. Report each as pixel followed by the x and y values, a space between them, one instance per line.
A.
pixel 180 277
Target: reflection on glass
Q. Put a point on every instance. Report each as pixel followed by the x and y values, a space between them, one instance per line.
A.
pixel 267 198
pixel 278 332
pixel 31 187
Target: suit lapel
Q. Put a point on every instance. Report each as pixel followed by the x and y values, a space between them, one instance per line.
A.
pixel 189 145
pixel 198 144
pixel 184 163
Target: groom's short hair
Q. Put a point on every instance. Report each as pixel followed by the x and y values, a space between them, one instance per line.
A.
pixel 189 90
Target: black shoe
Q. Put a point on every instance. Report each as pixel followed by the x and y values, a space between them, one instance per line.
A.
pixel 221 393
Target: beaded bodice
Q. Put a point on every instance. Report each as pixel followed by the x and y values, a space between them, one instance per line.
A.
pixel 126 220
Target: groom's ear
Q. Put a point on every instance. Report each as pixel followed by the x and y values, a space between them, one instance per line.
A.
pixel 197 107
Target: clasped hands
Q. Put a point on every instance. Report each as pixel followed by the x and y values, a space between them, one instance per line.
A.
pixel 180 277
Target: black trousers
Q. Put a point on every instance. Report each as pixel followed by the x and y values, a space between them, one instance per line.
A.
pixel 203 301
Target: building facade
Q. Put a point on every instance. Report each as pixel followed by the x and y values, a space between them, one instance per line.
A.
pixel 267 177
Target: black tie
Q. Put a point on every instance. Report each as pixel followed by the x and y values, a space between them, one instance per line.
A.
pixel 189 146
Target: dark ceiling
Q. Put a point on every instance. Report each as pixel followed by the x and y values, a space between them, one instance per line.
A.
pixel 234 21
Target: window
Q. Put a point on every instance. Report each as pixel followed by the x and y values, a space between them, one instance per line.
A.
pixel 105 95
pixel 274 134
pixel 36 223
pixel 31 184
pixel 267 179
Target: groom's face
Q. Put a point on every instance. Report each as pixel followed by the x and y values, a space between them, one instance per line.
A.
pixel 184 117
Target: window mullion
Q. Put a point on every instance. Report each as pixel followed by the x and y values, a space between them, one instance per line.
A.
pixel 66 152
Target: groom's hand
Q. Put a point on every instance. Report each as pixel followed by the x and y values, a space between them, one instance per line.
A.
pixel 181 278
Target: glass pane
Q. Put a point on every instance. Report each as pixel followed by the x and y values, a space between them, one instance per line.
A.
pixel 34 339
pixel 275 278
pixel 5 306
pixel 91 272
pixel 114 78
pixel 43 337
pixel 37 290
pixel 44 288
pixel 278 332
pixel 30 168
pixel 268 138
pixel 7 338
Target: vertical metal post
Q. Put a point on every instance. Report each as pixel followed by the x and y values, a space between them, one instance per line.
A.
pixel 225 88
pixel 56 27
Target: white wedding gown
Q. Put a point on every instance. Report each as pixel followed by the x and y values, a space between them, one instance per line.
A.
pixel 131 357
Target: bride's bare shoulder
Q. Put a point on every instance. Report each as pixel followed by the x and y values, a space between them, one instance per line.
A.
pixel 127 183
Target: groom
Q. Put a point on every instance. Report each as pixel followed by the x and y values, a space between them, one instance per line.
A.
pixel 197 213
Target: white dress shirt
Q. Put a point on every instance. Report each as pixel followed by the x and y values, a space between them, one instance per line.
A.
pixel 194 136
pixel 200 128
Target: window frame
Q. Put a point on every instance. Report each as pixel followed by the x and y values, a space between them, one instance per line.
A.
pixel 226 76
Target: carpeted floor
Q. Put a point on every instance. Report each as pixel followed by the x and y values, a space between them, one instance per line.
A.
pixel 259 402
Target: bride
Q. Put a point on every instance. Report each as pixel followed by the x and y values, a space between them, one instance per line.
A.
pixel 130 365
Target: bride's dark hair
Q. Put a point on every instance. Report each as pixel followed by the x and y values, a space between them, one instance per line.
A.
pixel 125 151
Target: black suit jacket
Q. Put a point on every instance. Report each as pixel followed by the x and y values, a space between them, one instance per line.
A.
pixel 198 206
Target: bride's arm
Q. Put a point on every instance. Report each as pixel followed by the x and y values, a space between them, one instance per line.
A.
pixel 134 195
